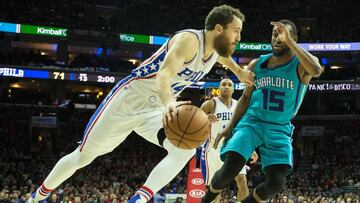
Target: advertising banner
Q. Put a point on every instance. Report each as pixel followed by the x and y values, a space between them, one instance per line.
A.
pixel 41 30
pixel 195 185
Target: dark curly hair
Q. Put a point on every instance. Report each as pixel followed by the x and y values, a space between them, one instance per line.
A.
pixel 222 15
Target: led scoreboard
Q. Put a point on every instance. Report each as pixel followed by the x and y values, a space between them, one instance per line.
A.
pixel 98 77
pixel 59 75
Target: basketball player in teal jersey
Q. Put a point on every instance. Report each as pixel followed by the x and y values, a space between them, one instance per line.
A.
pixel 263 113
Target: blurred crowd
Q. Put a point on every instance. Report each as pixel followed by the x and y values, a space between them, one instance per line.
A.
pixel 111 178
pixel 28 154
pixel 81 62
pixel 325 21
pixel 334 174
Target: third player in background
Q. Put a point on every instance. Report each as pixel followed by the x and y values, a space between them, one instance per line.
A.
pixel 220 110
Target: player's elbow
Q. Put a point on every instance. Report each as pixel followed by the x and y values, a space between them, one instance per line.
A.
pixel 316 70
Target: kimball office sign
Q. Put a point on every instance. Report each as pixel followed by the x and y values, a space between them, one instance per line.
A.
pixel 41 30
pixel 254 47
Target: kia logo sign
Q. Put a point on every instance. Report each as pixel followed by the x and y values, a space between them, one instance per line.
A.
pixel 196 193
pixel 197 181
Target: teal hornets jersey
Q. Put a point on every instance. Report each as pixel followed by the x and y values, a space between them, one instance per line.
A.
pixel 278 91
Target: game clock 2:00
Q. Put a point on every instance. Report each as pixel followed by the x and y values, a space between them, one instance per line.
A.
pixel 106 79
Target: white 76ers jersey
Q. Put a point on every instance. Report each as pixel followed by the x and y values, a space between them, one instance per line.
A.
pixel 191 72
pixel 223 114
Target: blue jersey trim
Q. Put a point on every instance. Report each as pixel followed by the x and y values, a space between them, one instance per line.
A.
pixel 297 96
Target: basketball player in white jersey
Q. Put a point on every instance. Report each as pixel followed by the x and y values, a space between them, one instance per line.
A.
pixel 220 110
pixel 140 101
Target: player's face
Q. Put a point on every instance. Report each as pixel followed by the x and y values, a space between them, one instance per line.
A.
pixel 225 43
pixel 278 48
pixel 226 88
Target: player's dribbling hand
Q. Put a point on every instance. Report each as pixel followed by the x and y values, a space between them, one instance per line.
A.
pixel 171 111
pixel 224 133
pixel 212 118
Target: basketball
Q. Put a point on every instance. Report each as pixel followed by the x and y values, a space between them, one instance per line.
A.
pixel 189 128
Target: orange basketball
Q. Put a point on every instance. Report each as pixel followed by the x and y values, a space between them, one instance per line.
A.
pixel 189 128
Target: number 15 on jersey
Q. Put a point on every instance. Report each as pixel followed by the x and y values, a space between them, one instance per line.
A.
pixel 273 100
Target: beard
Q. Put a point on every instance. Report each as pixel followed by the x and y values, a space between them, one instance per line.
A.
pixel 222 46
pixel 280 52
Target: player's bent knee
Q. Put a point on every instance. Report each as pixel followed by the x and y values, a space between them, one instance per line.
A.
pixel 82 159
pixel 171 148
pixel 182 153
pixel 272 186
pixel 179 153
pixel 168 146
pixel 233 164
pixel 277 184
pixel 276 178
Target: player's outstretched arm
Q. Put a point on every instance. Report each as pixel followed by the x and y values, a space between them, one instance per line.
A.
pixel 245 76
pixel 240 110
pixel 244 100
pixel 181 49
